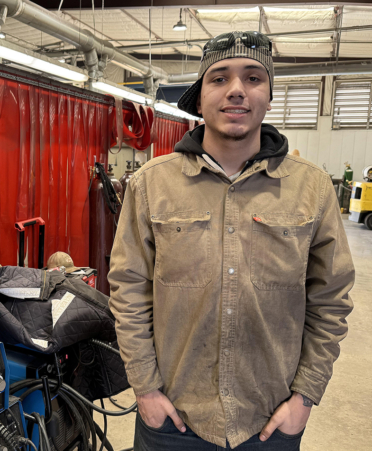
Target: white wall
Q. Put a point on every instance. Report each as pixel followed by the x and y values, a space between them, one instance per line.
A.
pixel 333 147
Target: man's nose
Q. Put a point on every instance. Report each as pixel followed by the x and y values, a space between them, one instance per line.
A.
pixel 236 88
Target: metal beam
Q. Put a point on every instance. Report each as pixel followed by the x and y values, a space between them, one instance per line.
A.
pixel 87 4
pixel 263 21
pixel 145 27
pixel 195 18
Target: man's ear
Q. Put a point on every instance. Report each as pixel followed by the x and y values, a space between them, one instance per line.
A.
pixel 269 107
pixel 198 104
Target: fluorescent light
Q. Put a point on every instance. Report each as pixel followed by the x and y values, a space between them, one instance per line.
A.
pixel 124 93
pixel 167 108
pixel 2 35
pixel 224 11
pixel 62 60
pixel 17 54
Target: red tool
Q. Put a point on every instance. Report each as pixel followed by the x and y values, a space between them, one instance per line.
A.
pixel 20 226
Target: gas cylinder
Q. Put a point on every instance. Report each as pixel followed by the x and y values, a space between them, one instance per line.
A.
pixel 102 229
pixel 124 179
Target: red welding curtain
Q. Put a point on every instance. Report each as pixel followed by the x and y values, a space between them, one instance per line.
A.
pixel 168 133
pixel 48 140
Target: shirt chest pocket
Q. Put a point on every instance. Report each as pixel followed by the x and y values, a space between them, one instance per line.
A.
pixel 183 249
pixel 280 249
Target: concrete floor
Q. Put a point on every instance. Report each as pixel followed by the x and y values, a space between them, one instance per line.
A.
pixel 342 421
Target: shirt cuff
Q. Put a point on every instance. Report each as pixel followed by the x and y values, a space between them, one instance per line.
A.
pixel 145 378
pixel 309 383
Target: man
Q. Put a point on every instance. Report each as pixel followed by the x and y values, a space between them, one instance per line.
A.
pixel 230 272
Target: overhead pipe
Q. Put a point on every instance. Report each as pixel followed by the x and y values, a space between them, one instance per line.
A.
pixel 48 22
pixel 37 17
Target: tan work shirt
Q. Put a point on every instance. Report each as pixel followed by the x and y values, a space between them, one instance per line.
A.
pixel 228 295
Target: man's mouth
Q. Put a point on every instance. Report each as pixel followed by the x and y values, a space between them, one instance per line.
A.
pixel 235 110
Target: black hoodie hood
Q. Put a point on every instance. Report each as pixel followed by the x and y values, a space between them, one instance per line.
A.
pixel 273 144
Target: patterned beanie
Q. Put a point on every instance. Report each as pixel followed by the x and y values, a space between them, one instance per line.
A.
pixel 187 101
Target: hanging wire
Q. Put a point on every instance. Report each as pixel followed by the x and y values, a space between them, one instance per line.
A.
pixel 150 37
pixel 60 6
pixel 103 7
pixel 94 18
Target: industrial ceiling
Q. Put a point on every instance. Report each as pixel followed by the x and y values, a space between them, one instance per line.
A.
pixel 301 33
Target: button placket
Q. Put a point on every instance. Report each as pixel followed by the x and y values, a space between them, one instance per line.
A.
pixel 229 300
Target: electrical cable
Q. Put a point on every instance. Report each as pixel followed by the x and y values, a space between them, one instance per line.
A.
pixel 35 384
pixel 90 421
pixel 29 442
pixel 104 426
pixel 43 435
pixel 99 432
pixel 113 401
pixel 104 345
pixel 78 419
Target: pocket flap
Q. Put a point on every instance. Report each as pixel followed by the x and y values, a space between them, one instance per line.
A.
pixel 283 224
pixel 184 217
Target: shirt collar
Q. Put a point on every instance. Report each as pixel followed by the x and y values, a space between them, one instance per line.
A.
pixel 193 164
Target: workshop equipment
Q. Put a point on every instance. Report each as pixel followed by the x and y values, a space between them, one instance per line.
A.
pixel 361 200
pixel 124 179
pixel 105 199
pixel 20 226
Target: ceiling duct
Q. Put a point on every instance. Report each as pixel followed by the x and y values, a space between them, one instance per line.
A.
pixel 48 22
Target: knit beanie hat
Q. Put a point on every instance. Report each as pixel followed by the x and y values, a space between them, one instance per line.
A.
pixel 250 44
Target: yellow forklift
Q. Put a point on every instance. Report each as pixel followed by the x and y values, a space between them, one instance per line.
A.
pixel 361 200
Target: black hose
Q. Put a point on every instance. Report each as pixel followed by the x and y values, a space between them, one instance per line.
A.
pixel 35 384
pixel 27 441
pixel 100 434
pixel 113 401
pixel 78 419
pixel 104 426
pixel 104 345
pixel 89 419
pixel 43 435
pixel 30 390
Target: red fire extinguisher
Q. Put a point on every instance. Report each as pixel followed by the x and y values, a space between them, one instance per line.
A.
pixel 105 197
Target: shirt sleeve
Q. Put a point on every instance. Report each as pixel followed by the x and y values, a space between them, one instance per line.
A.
pixel 131 296
pixel 330 277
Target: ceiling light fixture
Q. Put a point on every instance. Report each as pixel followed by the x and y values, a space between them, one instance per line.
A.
pixel 32 60
pixel 180 26
pixel 167 108
pixel 124 93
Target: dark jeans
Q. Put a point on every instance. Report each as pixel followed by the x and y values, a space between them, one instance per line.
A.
pixel 169 438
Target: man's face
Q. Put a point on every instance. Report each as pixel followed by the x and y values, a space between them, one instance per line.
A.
pixel 234 97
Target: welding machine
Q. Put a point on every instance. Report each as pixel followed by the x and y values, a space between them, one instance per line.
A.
pixel 12 420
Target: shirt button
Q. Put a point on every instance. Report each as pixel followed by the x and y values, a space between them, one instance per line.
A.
pixel 226 352
pixel 229 311
pixel 232 189
pixel 225 391
pixel 231 271
pixel 231 230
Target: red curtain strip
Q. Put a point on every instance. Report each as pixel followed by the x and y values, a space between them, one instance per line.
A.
pixel 48 140
pixel 168 134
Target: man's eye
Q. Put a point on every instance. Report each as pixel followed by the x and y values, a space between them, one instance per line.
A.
pixel 218 80
pixel 253 79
